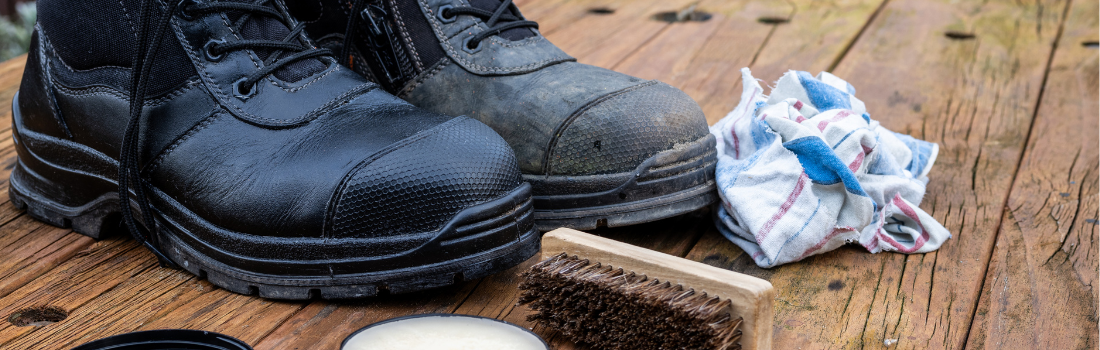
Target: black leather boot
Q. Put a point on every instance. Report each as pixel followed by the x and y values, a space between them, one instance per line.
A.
pixel 251 158
pixel 600 148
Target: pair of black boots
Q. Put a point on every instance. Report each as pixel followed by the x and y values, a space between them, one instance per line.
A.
pixel 251 155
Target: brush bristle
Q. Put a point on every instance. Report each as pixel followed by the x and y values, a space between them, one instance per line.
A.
pixel 608 308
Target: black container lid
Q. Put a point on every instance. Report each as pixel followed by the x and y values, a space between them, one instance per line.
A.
pixel 167 339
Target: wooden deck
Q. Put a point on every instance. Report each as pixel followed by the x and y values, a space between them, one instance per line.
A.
pixel 1007 88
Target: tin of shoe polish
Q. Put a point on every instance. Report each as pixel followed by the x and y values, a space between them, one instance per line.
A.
pixel 167 339
pixel 443 332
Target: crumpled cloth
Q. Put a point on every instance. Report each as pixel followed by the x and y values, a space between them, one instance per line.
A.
pixel 806 170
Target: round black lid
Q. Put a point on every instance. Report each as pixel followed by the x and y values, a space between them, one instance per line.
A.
pixel 167 339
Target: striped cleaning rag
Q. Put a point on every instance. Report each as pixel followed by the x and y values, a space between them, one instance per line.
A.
pixel 806 170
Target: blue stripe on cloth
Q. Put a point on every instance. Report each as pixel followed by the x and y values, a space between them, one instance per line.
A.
pixel 811 218
pixel 922 152
pixel 762 135
pixel 837 144
pixel 866 118
pixel 823 96
pixel 738 166
pixel 822 165
pixel 883 163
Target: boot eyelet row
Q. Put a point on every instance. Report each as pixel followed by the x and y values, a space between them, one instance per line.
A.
pixel 208 50
pixel 466 45
pixel 442 17
pixel 183 6
pixel 244 92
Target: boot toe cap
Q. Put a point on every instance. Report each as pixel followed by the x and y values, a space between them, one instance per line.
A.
pixel 617 132
pixel 420 184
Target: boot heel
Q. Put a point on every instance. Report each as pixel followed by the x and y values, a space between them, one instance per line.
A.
pixel 98 218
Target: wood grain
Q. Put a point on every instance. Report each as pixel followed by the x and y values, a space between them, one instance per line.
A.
pixel 605 40
pixel 34 248
pixel 704 58
pixel 975 98
pixel 1041 291
pixel 11 73
pixel 324 325
pixel 92 272
pixel 125 308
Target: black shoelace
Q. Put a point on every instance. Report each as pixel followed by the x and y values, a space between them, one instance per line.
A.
pixel 153 24
pixel 498 21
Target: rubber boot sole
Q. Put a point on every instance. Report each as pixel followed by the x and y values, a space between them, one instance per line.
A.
pixel 670 183
pixel 478 241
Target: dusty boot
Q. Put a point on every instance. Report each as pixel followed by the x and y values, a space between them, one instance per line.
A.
pixel 600 148
pixel 253 159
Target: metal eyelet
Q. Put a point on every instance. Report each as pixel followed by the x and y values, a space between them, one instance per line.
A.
pixel 208 50
pixel 242 92
pixel 466 46
pixel 442 18
pixel 183 6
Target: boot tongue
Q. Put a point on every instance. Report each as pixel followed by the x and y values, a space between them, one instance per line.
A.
pixel 266 28
pixel 511 34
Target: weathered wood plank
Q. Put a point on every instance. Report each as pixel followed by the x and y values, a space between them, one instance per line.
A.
pixel 11 73
pixel 605 39
pixel 323 325
pixel 1041 291
pixel 703 58
pixel 975 97
pixel 93 271
pixel 247 318
pixel 33 248
pixel 122 309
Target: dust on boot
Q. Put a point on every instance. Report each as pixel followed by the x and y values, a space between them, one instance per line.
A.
pixel 600 148
pixel 251 158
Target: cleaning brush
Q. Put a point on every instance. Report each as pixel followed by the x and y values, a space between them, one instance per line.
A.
pixel 612 295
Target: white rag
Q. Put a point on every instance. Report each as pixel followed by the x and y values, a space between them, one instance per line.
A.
pixel 806 170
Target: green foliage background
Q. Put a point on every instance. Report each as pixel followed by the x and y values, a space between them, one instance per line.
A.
pixel 15 33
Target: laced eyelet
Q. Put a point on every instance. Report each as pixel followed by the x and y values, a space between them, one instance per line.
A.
pixel 183 7
pixel 244 92
pixel 443 18
pixel 471 49
pixel 208 50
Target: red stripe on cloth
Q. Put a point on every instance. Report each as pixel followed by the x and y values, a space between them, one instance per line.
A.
pixel 733 126
pixel 871 246
pixel 736 142
pixel 908 211
pixel 839 115
pixel 824 241
pixel 798 105
pixel 856 163
pixel 783 208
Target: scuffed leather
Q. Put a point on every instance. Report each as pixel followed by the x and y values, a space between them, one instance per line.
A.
pixel 528 110
pixel 36 97
pixel 268 165
pixel 496 56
